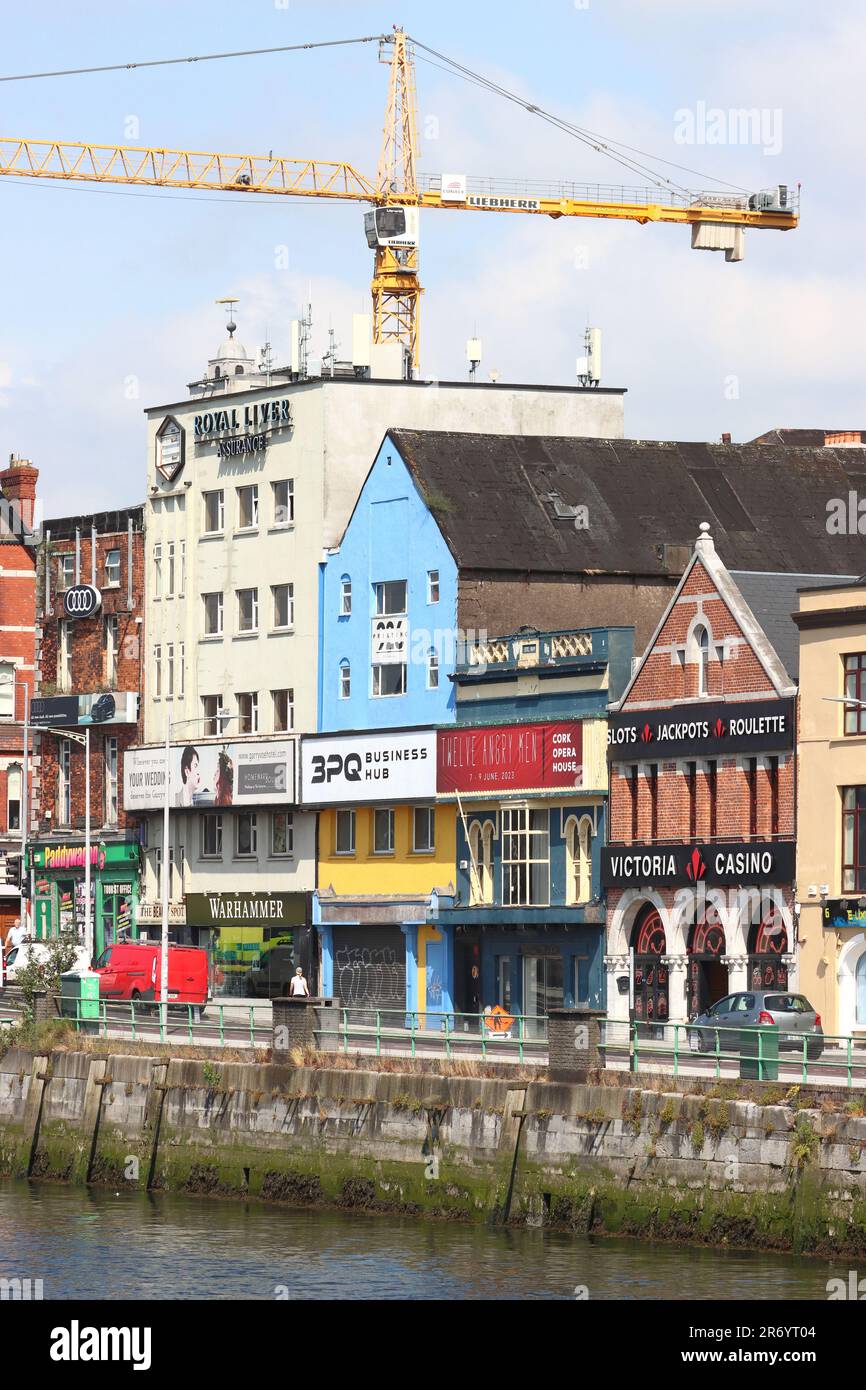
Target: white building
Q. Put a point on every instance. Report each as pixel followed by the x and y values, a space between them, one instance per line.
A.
pixel 248 481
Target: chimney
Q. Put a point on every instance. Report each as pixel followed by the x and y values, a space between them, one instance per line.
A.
pixel 726 439
pixel 18 486
pixel 842 439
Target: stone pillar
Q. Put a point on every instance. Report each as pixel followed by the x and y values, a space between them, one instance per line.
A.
pixel 294 1023
pixel 738 973
pixel 44 1006
pixel 617 967
pixel 678 1011
pixel 574 1043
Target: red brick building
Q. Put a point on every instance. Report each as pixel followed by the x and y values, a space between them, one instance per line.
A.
pixel 17 665
pixel 89 682
pixel 699 868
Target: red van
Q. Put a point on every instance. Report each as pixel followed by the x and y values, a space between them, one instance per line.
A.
pixel 132 970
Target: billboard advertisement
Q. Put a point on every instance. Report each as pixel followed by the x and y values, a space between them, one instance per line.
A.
pixel 70 711
pixel 348 768
pixel 513 757
pixel 704 729
pixel 205 776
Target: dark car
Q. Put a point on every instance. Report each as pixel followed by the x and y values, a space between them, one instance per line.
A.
pixel 102 709
pixel 792 1014
pixel 270 978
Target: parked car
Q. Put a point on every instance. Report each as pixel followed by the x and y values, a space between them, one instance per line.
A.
pixel 20 956
pixel 132 970
pixel 791 1013
pixel 270 978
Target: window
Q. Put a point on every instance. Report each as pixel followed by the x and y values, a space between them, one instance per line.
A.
pixel 284 605
pixel 248 507
pixel 65 570
pixel 7 690
pixel 284 502
pixel 111 781
pixel 345 832
pixel 13 797
pixel 213 615
pixel 284 710
pixel 345 597
pixel 246 835
pixel 282 833
pixel 713 790
pixel 424 829
pixel 214 512
pixel 64 657
pixel 170 550
pixel 654 801
pixel 168 683
pixel 635 789
pixel 383 832
pixel 181 568
pixel 112 569
pixel 211 708
pixel 111 641
pixel 389 678
pixel 248 710
pixel 432 669
pixel 345 680
pixel 390 597
pixel 752 780
pixel 525 857
pixel 157 672
pixel 853 839
pixel 578 847
pixel 211 836
pixel 481 864
pixel 581 980
pixel 855 689
pixel 180 669
pixel 64 783
pixel 692 774
pixel 702 637
pixel 773 774
pixel 432 586
pixel 157 571
pixel 248 610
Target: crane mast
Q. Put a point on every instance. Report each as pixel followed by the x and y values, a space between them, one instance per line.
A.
pixel 396 288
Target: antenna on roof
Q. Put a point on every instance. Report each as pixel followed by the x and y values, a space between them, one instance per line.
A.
pixel 589 366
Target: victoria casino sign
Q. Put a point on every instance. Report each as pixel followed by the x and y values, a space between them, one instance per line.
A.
pixel 687 865
pixel 705 729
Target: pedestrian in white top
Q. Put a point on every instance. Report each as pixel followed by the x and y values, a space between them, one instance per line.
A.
pixel 16 935
pixel 298 984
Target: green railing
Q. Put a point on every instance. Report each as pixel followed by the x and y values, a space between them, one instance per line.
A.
pixel 433 1031
pixel 224 1025
pixel 666 1046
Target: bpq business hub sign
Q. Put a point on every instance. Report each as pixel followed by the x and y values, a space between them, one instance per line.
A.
pixel 703 730
pixel 352 768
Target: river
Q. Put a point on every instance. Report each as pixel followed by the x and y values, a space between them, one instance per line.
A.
pixel 91 1244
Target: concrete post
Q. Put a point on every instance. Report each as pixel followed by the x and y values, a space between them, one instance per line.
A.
pixel 574 1043
pixel 294 1022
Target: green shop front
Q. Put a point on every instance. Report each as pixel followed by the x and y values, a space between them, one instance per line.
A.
pixel 59 889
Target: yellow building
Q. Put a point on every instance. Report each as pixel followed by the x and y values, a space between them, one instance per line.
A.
pixel 831 804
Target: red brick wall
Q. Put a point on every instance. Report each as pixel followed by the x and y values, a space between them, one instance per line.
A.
pixel 666 682
pixel 88 669
pixel 17 640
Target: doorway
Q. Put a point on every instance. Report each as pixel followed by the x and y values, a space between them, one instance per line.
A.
pixel 542 990
pixel 708 975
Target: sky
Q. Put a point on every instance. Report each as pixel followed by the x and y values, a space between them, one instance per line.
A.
pixel 108 295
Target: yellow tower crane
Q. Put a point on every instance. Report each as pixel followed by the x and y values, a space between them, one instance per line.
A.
pixel 717 220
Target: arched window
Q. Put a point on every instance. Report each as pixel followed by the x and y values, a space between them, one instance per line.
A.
pixel 432 669
pixel 345 596
pixel 768 944
pixel 702 640
pixel 650 971
pixel 480 863
pixel 217 373
pixel 13 797
pixel 7 690
pixel 345 679
pixel 578 857
pixel 239 371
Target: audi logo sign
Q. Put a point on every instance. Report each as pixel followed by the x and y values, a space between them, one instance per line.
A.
pixel 81 601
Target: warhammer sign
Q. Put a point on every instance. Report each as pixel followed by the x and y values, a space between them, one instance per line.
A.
pixel 631 866
pixel 701 730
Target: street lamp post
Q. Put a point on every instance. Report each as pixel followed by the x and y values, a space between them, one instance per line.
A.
pixel 222 718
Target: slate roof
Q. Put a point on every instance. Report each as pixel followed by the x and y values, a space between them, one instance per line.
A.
pixel 773 598
pixel 504 502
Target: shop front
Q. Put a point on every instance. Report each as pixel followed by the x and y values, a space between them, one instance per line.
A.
pixel 59 903
pixel 256 941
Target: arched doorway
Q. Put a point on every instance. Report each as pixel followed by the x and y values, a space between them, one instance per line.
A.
pixel 768 945
pixel 651 988
pixel 708 977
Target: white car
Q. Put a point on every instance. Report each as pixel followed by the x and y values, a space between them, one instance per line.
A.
pixel 21 955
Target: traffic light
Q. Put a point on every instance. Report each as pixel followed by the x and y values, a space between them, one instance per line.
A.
pixel 13 870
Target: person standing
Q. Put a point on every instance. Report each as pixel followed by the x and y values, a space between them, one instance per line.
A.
pixel 299 986
pixel 16 935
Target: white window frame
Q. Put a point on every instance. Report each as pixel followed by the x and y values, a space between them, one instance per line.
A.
pixel 110 582
pixel 215 819
pixel 381 666
pixel 389 812
pixel 289 725
pixel 381 596
pixel 345 811
pixel 520 838
pixel 432 586
pixel 66 569
pixel 112 764
pixel 345 597
pixel 254 611
pixel 430 813
pixel 64 783
pixel 253 697
pixel 214 726
pixel 220 607
pixel 345 679
pixel 219 494
pixel 253 852
pixel 253 490
pixel 290 607
pixel 64 656
pixel 112 647
pixel 14 776
pixel 432 669
pixel 289 851
pixel 289 506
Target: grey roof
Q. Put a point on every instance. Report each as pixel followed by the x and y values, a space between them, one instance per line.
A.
pixel 505 502
pixel 773 598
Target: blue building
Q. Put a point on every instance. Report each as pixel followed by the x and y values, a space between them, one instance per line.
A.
pixel 388 612
pixel 526 764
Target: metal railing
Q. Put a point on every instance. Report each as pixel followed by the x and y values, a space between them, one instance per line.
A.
pixel 219 1025
pixel 414 1033
pixel 831 1059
